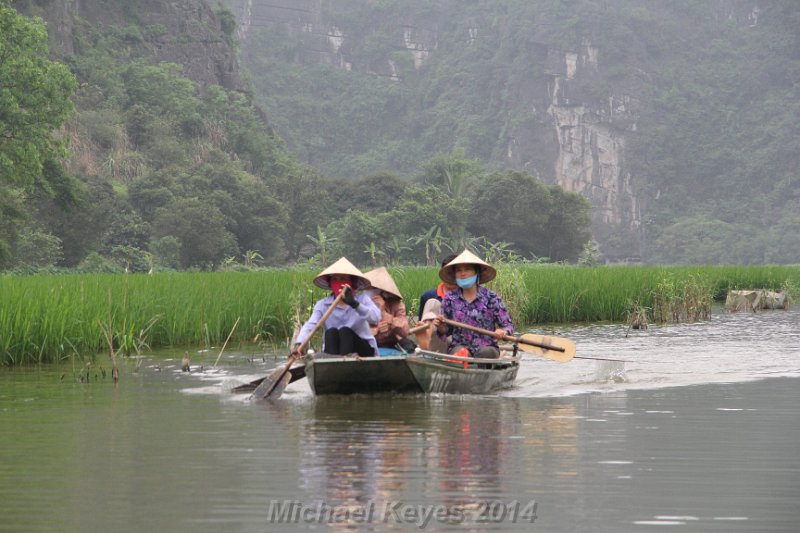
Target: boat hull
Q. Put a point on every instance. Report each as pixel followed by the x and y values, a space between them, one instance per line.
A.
pixel 422 372
pixel 438 377
pixel 367 375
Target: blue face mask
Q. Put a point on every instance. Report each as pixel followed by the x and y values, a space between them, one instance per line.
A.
pixel 466 283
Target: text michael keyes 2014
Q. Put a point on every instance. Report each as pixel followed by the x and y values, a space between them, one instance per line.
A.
pixel 400 512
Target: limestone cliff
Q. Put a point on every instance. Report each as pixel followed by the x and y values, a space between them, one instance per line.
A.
pixel 574 142
pixel 566 118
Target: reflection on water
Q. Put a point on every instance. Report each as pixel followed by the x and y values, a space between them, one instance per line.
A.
pixel 170 451
pixel 456 454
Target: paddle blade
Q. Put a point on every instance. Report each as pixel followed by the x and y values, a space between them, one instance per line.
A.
pixel 247 387
pixel 297 372
pixel 279 387
pixel 554 348
pixel 274 384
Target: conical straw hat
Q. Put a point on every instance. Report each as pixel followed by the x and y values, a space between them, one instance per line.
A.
pixel 344 268
pixel 447 273
pixel 381 279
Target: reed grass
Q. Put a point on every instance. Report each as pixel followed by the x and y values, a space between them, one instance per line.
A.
pixel 48 318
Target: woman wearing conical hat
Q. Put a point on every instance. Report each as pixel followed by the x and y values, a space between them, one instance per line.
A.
pixel 474 305
pixel 347 329
pixel 392 327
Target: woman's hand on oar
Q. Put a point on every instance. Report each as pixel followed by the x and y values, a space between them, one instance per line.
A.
pixel 554 348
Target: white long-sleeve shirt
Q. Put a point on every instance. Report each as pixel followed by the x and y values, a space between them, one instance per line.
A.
pixel 359 320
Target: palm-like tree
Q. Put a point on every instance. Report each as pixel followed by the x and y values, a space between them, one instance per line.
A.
pixel 322 242
pixel 433 241
pixel 251 256
pixel 452 172
pixel 396 249
pixel 374 253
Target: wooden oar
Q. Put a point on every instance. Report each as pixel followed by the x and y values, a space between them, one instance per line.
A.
pixel 297 372
pixel 555 348
pixel 418 328
pixel 273 385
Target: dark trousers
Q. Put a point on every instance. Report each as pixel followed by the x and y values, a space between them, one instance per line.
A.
pixel 484 352
pixel 343 341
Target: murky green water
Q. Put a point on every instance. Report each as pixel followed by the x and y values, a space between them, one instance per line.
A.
pixel 659 450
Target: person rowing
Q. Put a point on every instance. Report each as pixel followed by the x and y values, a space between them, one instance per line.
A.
pixel 474 305
pixel 347 328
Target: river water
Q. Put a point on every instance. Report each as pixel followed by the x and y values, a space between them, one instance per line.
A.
pixel 698 431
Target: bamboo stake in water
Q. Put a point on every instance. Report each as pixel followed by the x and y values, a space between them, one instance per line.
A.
pixel 226 341
pixel 114 369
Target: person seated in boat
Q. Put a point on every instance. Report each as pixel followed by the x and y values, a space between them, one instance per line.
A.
pixel 347 329
pixel 430 300
pixel 473 305
pixel 392 328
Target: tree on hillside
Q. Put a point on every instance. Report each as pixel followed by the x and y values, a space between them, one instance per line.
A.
pixel 423 207
pixel 568 226
pixel 539 220
pixel 454 173
pixel 87 228
pixel 200 229
pixel 306 197
pixel 376 193
pixel 701 239
pixel 34 102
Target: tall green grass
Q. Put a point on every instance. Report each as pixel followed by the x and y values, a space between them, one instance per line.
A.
pixel 575 294
pixel 49 318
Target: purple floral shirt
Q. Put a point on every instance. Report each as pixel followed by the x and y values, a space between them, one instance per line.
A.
pixel 486 311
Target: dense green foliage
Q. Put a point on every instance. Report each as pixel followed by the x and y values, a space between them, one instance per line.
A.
pixel 34 102
pixel 715 153
pixel 718 148
pixel 50 318
pixel 166 173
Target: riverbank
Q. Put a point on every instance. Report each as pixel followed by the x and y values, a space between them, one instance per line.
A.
pixel 49 318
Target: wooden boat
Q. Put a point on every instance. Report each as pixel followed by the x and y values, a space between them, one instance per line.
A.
pixel 436 372
pixel 422 371
pixel 419 372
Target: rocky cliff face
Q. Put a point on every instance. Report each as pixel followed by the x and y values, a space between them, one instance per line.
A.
pixel 572 142
pixel 578 126
pixel 577 141
pixel 187 32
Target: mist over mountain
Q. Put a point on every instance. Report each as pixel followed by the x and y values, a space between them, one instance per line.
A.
pixel 675 119
pixel 224 135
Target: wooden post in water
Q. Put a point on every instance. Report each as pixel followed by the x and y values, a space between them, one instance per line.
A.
pixel 226 341
pixel 107 335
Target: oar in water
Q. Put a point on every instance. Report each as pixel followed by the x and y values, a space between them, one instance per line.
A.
pixel 297 372
pixel 273 385
pixel 555 348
